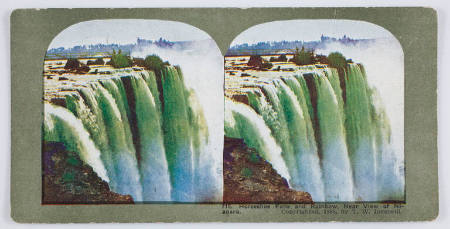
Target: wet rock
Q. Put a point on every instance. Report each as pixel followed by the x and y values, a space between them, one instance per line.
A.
pixel 241 98
pixel 248 178
pixel 68 180
pixel 59 101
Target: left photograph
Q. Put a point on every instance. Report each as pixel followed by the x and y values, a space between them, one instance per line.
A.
pixel 133 113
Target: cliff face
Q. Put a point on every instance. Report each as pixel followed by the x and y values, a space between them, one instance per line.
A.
pixel 68 180
pixel 248 178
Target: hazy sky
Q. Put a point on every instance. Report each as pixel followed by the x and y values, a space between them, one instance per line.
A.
pixel 308 30
pixel 125 31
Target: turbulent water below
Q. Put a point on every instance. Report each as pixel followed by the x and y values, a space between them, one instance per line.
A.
pixel 325 131
pixel 144 134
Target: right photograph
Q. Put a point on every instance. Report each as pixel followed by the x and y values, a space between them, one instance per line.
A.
pixel 314 112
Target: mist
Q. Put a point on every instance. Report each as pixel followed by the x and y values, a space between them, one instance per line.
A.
pixel 202 65
pixel 383 61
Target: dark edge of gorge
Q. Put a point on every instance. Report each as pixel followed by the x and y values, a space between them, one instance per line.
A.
pixel 248 178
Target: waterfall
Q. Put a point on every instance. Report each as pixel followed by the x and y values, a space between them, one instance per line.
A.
pixel 389 177
pixel 337 174
pixel 331 128
pixel 177 134
pixel 307 155
pixel 153 163
pixel 242 122
pixel 61 125
pixel 360 134
pixel 143 133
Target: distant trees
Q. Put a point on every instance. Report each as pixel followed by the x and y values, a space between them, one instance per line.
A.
pixel 138 62
pixel 150 62
pixel 119 60
pixel 155 63
pixel 336 60
pixel 322 59
pixel 302 57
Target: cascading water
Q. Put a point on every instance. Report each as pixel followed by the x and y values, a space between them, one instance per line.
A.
pixel 336 169
pixel 142 133
pixel 242 122
pixel 62 126
pixel 331 128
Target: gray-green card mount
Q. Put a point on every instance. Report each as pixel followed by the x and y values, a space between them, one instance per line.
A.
pixel 119 115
